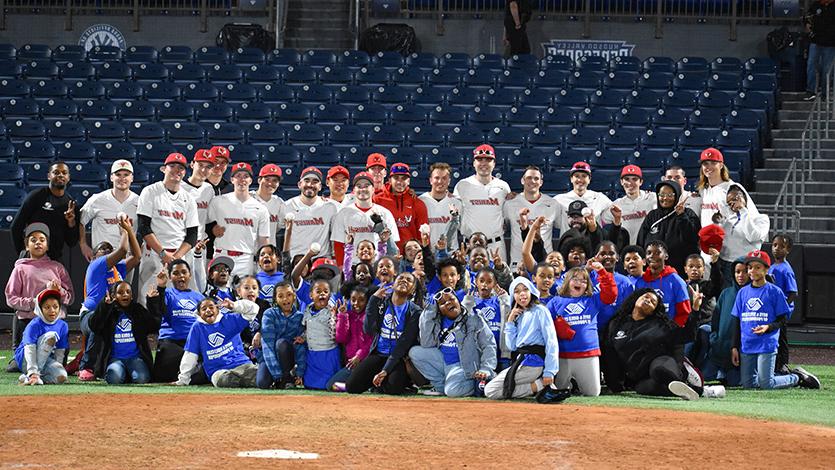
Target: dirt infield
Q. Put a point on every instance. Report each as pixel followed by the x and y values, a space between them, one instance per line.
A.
pixel 207 431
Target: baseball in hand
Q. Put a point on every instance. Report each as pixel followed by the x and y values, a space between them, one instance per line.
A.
pixel 121 216
pixel 290 216
pixel 424 229
pixel 315 247
pixel 586 212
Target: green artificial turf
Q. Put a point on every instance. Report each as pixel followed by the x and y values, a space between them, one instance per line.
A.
pixel 794 405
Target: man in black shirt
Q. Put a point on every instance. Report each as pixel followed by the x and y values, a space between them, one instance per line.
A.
pixel 516 17
pixel 52 206
pixel 222 160
pixel 820 22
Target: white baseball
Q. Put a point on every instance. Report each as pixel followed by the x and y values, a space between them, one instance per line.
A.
pixel 315 247
pixel 121 216
pixel 424 229
pixel 290 216
pixel 586 212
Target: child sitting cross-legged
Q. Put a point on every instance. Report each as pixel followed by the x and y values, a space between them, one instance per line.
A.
pixel 45 341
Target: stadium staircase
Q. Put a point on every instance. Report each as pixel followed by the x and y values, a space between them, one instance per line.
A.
pixel 817 213
pixel 318 24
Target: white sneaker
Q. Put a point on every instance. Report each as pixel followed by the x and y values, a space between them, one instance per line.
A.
pixel 682 390
pixel 430 392
pixel 714 391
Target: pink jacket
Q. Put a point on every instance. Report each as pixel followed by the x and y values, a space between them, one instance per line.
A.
pixel 28 278
pixel 349 332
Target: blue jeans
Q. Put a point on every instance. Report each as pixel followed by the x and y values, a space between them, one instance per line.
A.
pixel 711 371
pixel 133 370
pixel 820 58
pixel 449 379
pixel 758 371
pixel 88 357
pixel 340 376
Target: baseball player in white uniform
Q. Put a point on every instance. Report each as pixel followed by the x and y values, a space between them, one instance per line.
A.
pixel 337 181
pixel 633 207
pixel 356 218
pixel 580 175
pixel 534 204
pixel 202 192
pixel 269 178
pixel 482 198
pixel 442 208
pixel 242 223
pixel 103 209
pixel 312 215
pixel 167 222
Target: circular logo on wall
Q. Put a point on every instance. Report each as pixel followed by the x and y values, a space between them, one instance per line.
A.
pixel 102 35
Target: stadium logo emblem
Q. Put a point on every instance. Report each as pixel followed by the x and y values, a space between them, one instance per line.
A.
pixel 125 325
pixel 576 48
pixel 216 339
pixel 102 35
pixel 754 304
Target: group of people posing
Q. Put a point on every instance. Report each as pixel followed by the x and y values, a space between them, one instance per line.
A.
pixel 383 289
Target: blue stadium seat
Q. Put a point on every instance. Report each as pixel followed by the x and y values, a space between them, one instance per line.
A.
pixel 109 152
pixel 355 157
pixel 524 62
pixel 88 176
pixel 163 91
pixel 744 119
pixel 605 180
pixel 587 138
pixel 23 108
pixel 413 157
pixel 621 80
pixel 314 94
pixel 221 74
pixel 595 117
pixel 10 69
pixel 248 56
pixel 466 138
pixel 214 112
pixel 336 75
pixel 522 116
pixel 501 98
pixel 707 119
pixel 481 78
pixel 390 96
pixel 352 95
pixel 176 55
pixel 488 61
pixel 370 114
pixel 727 82
pixel 692 82
pixel 443 78
pixel 100 54
pixel 319 58
pixel 506 139
pixel 484 118
pixel 613 100
pixel 262 74
pixel 277 94
pixel 753 101
pixel 87 90
pixel 584 80
pixel 535 98
pixel 560 160
pixel 464 97
pixel 114 71
pixel 7 151
pixel 266 133
pixel 141 177
pixel 573 99
pixel 200 92
pixel 409 78
pixel 660 64
pixel 101 132
pixel 656 81
pixel 187 73
pixel 692 64
pixel 624 138
pixel 679 99
pixel 125 91
pixel 521 158
pixel 736 140
pixel 69 53
pixel 696 139
pixel 12 172
pixel 426 137
pixel 144 132
pixel 77 71
pixel 386 136
pixel 658 138
pixel 45 90
pixel 424 60
pixel 608 159
pixel 35 151
pixel 353 59
pixel 181 133
pixel 34 52
pixel 645 99
pixel 321 156
pixel 557 62
pixel 20 130
pixel 330 115
pixel 592 63
pixel 759 83
pixel 253 112
pixel 7 51
pixel 211 55
pixel 452 157
pixel 447 117
pixel 13 88
pixel 299 75
pixel 344 136
pixel 11 196
pixel 514 79
pixel 36 70
pixel 80 193
pixel 551 80
pixel 59 109
pixel 292 113
pixel 726 64
pixel 66 131
pixel 284 57
pixel 175 111
pixel 670 118
pixel 650 159
pixel 428 97
pixel 247 154
pixel 238 93
pixel 141 55
pixel 625 64
pixel 408 116
pixel 388 59
pixel 714 100
pixel 456 60
pixel 305 134
pixel 223 133
pixel 154 153
pixel 285 156
pixel 762 65
pixel 98 110
pixel 373 76
pixel 35 171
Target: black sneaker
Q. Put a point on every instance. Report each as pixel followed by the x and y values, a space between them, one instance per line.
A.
pixel 552 394
pixel 12 367
pixel 810 96
pixel 782 370
pixel 807 380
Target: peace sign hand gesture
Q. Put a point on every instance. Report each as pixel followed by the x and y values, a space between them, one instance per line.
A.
pixel 69 214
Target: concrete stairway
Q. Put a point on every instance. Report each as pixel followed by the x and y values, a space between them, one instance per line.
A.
pixel 817 222
pixel 318 24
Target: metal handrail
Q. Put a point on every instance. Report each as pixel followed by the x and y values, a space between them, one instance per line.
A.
pixel 279 36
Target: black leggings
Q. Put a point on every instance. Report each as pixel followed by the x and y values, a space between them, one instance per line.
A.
pixel 782 350
pixel 362 376
pixel 662 371
pixel 167 363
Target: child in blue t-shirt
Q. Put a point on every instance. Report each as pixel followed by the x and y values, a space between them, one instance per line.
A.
pixel 783 274
pixel 270 272
pixel 492 303
pixel 762 310
pixel 282 339
pixel 40 352
pixel 217 284
pixel 215 337
pixel 319 321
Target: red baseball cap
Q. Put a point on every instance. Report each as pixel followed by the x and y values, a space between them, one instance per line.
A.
pixel 633 170
pixel 484 151
pixel 220 152
pixel 311 170
pixel 711 236
pixel 325 263
pixel 47 293
pixel 338 170
pixel 363 175
pixel 177 158
pixel 580 166
pixel 204 155
pixel 400 169
pixel 712 155
pixel 241 166
pixel 376 159
pixel 270 169
pixel 758 256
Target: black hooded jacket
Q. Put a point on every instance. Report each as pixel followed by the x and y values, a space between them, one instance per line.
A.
pixel 103 324
pixel 679 232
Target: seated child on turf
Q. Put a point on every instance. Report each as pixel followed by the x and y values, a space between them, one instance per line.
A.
pixel 349 333
pixel 282 339
pixel 323 355
pixel 216 338
pixel 44 343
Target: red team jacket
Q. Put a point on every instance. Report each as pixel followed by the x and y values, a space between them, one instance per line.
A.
pixel 408 210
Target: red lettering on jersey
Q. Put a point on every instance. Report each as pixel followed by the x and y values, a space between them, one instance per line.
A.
pixel 711 206
pixel 273 218
pixel 238 221
pixel 365 229
pixel 110 221
pixel 203 205
pixel 491 201
pixel 313 221
pixel 440 220
pixel 636 215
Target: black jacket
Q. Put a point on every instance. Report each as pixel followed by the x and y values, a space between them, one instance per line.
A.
pixel 41 205
pixel 630 346
pixel 822 21
pixel 679 232
pixel 373 323
pixel 103 324
pixel 711 289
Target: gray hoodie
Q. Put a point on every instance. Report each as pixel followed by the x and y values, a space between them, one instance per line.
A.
pixel 475 341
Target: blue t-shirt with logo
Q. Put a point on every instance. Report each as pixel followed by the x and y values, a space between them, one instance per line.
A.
pixel 219 344
pixel 180 313
pixel 490 309
pixel 581 314
pixel 37 328
pixel 755 306
pixel 268 282
pixel 99 278
pixel 448 346
pixel 124 343
pixel 784 278
pixel 394 321
pixel 671 288
pixel 625 288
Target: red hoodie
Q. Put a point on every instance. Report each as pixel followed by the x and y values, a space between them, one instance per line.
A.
pixel 673 291
pixel 408 210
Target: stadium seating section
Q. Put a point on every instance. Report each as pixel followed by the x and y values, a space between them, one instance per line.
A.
pixel 296 108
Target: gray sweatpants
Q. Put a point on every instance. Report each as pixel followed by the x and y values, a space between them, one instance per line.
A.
pixel 525 376
pixel 49 368
pixel 242 376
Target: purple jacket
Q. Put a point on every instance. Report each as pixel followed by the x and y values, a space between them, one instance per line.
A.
pixel 349 333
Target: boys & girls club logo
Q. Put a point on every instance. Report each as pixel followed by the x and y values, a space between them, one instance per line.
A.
pixel 102 35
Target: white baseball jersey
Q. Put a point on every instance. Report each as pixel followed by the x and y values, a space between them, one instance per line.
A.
pixel 346 201
pixel 276 208
pixel 171 214
pixel 102 209
pixel 482 206
pixel 202 197
pixel 439 218
pixel 633 213
pixel 244 222
pixel 545 206
pixel 358 222
pixel 312 224
pixel 598 202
